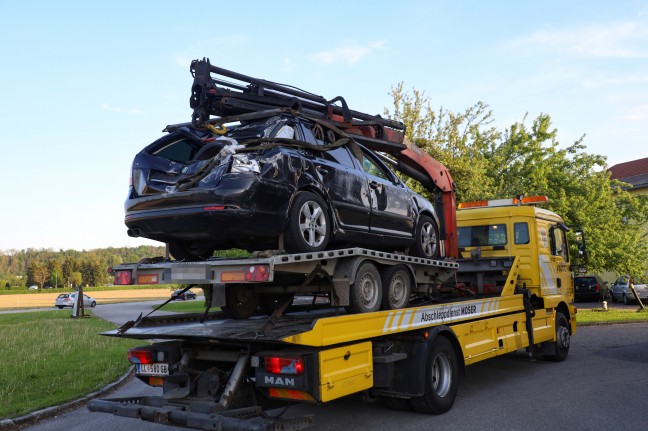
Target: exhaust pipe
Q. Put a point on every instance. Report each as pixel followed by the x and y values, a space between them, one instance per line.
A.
pixel 134 233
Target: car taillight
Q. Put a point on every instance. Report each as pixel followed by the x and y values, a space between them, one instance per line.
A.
pixel 598 287
pixel 284 365
pixel 140 356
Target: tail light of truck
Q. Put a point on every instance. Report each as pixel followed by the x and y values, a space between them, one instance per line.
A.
pixel 254 273
pixel 284 365
pixel 141 356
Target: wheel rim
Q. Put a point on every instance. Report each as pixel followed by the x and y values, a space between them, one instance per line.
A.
pixel 368 291
pixel 441 375
pixel 312 224
pixel 563 337
pixel 398 290
pixel 428 239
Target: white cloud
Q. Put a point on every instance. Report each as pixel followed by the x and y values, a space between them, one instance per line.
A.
pixel 349 53
pixel 109 108
pixel 637 114
pixel 626 39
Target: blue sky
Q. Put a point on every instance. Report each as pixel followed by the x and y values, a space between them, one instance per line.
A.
pixel 85 85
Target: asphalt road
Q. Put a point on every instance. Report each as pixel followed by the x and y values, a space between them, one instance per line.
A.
pixel 603 384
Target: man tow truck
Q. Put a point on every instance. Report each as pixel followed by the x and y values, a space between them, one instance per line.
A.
pixel 509 288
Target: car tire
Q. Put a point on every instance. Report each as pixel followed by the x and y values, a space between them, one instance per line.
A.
pixel 397 287
pixel 93 304
pixel 60 307
pixel 180 250
pixel 309 228
pixel 427 238
pixel 625 299
pixel 366 291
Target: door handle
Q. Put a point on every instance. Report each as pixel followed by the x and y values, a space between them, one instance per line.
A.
pixel 374 185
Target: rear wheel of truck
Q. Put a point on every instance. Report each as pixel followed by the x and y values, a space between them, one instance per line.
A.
pixel 366 292
pixel 563 339
pixel 397 287
pixel 441 379
pixel 241 301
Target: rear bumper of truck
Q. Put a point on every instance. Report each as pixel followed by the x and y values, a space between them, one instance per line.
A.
pixel 155 409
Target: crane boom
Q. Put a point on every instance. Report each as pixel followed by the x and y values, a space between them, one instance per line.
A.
pixel 212 94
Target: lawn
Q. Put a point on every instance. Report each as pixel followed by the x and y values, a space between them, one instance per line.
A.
pixel 49 358
pixel 598 316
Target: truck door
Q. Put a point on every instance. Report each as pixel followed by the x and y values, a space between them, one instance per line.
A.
pixel 560 259
pixel 392 206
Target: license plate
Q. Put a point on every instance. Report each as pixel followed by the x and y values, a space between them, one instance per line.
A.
pixel 160 369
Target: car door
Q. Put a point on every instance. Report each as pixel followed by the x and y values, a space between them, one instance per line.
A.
pixel 344 183
pixel 392 205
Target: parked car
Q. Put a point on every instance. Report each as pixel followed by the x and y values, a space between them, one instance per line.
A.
pixel 589 287
pixel 282 182
pixel 32 287
pixel 179 294
pixel 67 300
pixel 620 290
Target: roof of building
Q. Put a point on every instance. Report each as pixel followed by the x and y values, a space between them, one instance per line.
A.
pixel 629 169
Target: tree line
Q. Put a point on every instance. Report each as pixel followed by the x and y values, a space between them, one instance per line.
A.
pixel 66 268
pixel 526 158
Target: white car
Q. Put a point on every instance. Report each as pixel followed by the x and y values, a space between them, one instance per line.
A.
pixel 620 290
pixel 67 300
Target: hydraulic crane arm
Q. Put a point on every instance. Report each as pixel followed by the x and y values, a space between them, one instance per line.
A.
pixel 216 96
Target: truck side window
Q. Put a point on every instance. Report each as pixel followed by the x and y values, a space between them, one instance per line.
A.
pixel 474 236
pixel 559 243
pixel 521 233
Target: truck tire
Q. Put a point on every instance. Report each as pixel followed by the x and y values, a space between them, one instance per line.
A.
pixel 366 292
pixel 397 287
pixel 563 339
pixel 441 379
pixel 427 239
pixel 309 228
pixel 241 301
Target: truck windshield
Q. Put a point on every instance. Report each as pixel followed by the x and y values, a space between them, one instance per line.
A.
pixel 473 236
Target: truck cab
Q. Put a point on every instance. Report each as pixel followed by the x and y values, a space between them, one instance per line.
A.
pixel 516 227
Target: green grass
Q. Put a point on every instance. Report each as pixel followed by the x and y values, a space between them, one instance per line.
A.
pixel 598 316
pixel 194 306
pixel 49 358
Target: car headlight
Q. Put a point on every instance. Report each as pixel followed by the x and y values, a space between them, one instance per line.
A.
pixel 244 163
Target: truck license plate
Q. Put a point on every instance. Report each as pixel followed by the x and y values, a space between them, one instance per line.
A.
pixel 160 369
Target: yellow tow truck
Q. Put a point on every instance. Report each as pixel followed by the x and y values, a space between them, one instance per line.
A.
pixel 510 289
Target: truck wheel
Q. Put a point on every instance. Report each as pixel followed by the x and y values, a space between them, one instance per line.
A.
pixel 241 301
pixel 427 239
pixel 397 287
pixel 563 339
pixel 441 379
pixel 308 228
pixel 366 292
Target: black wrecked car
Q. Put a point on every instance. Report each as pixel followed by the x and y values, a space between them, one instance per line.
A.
pixel 275 182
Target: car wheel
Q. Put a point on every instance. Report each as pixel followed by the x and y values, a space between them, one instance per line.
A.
pixel 563 339
pixel 308 227
pixel 180 250
pixel 366 291
pixel 427 239
pixel 625 299
pixel 441 379
pixel 397 287
pixel 93 304
pixel 241 301
pixel 60 307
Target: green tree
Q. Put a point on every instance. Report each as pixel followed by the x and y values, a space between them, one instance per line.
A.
pixel 75 279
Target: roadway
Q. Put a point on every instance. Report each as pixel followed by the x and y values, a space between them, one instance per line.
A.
pixel 602 384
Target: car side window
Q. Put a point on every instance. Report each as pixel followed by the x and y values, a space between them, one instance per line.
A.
pixel 339 155
pixel 370 167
